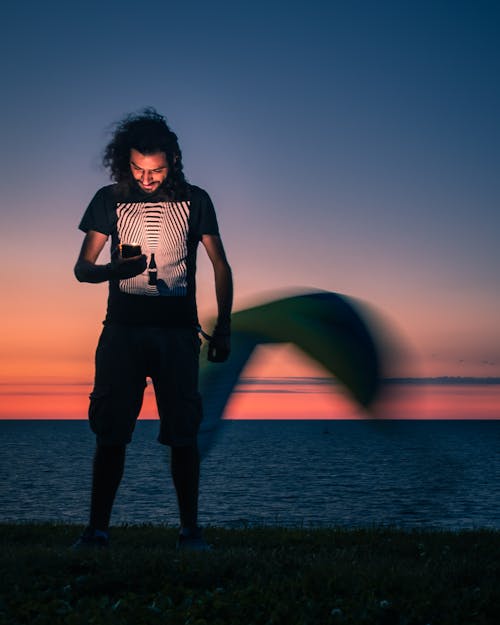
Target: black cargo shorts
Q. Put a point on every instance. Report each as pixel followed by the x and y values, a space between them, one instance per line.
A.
pixel 125 357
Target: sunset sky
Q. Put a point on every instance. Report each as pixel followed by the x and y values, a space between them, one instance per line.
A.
pixel 347 146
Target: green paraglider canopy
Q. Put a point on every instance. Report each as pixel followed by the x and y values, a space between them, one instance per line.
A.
pixel 325 326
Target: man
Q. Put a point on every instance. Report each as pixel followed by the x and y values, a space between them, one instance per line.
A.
pixel 151 326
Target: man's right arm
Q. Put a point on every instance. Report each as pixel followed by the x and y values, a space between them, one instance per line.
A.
pixel 86 269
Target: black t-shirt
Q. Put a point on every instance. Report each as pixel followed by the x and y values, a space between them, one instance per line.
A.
pixel 168 233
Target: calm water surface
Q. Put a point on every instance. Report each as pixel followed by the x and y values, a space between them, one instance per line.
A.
pixel 439 474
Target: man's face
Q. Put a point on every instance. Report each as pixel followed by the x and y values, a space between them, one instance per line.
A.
pixel 148 170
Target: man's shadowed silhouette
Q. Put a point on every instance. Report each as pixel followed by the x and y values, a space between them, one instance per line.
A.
pixel 151 325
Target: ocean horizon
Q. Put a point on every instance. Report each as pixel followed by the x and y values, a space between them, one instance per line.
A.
pixel 281 398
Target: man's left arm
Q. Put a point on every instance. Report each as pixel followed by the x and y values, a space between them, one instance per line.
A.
pixel 220 344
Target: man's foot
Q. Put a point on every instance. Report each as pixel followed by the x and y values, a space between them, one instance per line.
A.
pixel 192 540
pixel 92 539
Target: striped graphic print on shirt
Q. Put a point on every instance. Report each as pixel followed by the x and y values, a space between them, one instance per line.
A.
pixel 160 228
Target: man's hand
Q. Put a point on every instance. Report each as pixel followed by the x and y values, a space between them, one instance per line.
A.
pixel 219 346
pixel 123 268
pixel 86 269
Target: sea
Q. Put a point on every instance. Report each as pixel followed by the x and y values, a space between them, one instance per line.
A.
pixel 428 474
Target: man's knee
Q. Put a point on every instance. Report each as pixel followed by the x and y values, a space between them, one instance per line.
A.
pixel 110 451
pixel 185 455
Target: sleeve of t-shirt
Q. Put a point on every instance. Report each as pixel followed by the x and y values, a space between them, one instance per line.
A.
pixel 207 222
pixel 96 217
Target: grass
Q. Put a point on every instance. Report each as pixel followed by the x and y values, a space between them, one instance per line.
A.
pixel 255 576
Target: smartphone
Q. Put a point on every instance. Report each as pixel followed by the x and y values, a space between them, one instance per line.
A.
pixel 128 250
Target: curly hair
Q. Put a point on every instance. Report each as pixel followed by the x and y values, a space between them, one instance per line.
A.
pixel 146 131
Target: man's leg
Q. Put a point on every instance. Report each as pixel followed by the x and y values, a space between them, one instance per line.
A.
pixel 115 403
pixel 185 466
pixel 109 461
pixel 175 379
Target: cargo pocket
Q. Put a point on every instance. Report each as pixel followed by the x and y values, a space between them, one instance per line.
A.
pixel 100 411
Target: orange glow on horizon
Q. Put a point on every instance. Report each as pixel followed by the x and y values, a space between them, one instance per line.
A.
pixel 277 399
pixel 278 382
